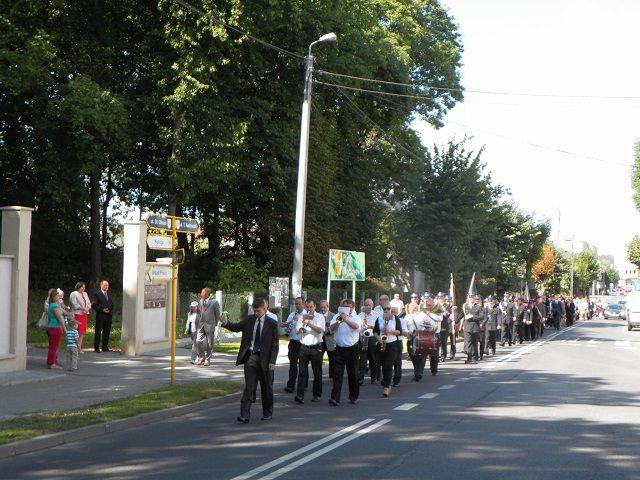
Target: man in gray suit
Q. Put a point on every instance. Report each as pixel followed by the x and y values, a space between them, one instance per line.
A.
pixel 209 317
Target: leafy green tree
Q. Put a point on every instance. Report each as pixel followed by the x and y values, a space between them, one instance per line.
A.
pixel 586 270
pixel 635 176
pixel 611 275
pixel 633 250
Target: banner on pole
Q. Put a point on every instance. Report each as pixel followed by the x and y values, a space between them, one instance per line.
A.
pixel 345 265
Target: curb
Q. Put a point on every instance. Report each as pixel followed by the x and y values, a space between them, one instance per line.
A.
pixel 82 433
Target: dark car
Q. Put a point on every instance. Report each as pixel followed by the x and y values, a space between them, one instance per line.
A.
pixel 614 310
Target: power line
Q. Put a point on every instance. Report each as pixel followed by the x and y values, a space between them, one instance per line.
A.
pixel 376 92
pixel 485 92
pixel 237 30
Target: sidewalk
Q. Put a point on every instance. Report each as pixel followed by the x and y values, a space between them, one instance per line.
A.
pixel 106 376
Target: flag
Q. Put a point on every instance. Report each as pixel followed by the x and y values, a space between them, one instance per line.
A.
pixel 452 291
pixel 527 297
pixel 472 285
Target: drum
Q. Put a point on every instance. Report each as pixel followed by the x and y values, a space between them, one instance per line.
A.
pixel 425 343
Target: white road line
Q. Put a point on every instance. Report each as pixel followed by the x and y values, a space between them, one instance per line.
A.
pixel 446 387
pixel 328 448
pixel 463 379
pixel 622 343
pixel 592 343
pixel 300 451
pixel 406 406
pixel 429 396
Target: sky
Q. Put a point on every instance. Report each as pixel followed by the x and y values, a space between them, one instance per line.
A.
pixel 557 47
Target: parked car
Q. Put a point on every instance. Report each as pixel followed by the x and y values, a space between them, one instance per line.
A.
pixel 613 310
pixel 633 311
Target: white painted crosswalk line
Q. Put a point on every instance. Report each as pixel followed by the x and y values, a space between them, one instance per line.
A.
pixel 463 379
pixel 446 387
pixel 429 396
pixel 592 343
pixel 406 406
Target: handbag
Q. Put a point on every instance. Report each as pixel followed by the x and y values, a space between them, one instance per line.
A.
pixel 44 321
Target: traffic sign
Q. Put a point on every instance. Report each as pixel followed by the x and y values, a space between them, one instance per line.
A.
pixel 160 242
pixel 159 221
pixel 186 225
pixel 177 256
pixel 160 272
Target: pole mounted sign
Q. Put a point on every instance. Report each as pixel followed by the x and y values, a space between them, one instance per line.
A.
pixel 345 265
pixel 173 225
pixel 160 242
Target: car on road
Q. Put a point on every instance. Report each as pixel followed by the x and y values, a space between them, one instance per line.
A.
pixel 614 310
pixel 633 311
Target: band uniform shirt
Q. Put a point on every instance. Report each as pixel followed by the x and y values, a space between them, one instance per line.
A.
pixel 394 324
pixel 293 319
pixel 345 336
pixel 311 338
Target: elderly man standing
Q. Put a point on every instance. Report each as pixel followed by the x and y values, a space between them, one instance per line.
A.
pixel 209 318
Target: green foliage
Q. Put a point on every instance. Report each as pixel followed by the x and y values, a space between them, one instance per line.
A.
pixel 611 275
pixel 633 250
pixel 586 270
pixel 635 177
pixel 241 274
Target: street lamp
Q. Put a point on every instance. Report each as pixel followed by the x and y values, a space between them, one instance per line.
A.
pixel 301 196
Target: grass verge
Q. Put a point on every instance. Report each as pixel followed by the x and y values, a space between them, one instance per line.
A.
pixel 173 396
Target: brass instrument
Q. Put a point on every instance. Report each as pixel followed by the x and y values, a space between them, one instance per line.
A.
pixel 383 336
pixel 305 322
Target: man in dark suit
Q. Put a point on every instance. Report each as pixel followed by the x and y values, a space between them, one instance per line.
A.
pixel 258 353
pixel 104 314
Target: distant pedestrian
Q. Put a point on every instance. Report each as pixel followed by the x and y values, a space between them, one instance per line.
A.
pixel 397 303
pixel 72 345
pixel 55 328
pixel 191 328
pixel 209 318
pixel 104 316
pixel 80 307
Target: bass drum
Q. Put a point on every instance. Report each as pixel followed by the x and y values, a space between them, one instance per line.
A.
pixel 425 343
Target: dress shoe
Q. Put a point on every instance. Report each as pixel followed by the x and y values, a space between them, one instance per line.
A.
pixel 315 399
pixel 396 384
pixel 243 420
pixel 353 401
pixel 266 418
pixel 333 402
pixel 288 390
pixel 298 399
pixel 97 350
pixel 386 391
pixel 106 350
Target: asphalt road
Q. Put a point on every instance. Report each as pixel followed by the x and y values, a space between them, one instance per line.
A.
pixel 566 407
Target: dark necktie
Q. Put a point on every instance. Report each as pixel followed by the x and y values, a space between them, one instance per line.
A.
pixel 256 341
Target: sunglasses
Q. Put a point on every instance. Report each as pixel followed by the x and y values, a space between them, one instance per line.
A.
pixel 386 309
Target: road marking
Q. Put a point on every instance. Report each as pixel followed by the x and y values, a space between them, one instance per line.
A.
pixel 302 450
pixel 328 448
pixel 592 343
pixel 622 343
pixel 429 396
pixel 406 406
pixel 446 387
pixel 463 379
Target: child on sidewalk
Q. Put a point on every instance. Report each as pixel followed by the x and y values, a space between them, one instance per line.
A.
pixel 72 345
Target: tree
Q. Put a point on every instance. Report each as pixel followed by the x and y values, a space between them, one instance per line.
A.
pixel 635 176
pixel 633 250
pixel 543 268
pixel 586 270
pixel 611 275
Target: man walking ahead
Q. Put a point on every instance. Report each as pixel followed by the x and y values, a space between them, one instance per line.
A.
pixel 258 353
pixel 209 317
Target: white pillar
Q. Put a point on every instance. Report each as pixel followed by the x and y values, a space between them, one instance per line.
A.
pixel 133 272
pixel 16 242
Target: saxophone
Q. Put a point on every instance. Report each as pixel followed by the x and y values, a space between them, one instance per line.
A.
pixel 383 336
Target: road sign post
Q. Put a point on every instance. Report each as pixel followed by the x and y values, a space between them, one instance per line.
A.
pixel 173 225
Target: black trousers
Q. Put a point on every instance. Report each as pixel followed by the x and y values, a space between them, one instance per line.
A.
pixel 482 341
pixel 313 355
pixel 397 364
pixel 388 360
pixel 294 351
pixel 507 333
pixel 345 357
pixel 369 358
pixel 520 332
pixel 491 341
pixel 471 339
pixel 254 373
pixel 103 330
pixel 444 337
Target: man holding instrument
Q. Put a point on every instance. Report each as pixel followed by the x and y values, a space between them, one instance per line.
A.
pixel 422 323
pixel 345 327
pixel 310 327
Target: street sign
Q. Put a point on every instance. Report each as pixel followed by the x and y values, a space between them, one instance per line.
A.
pixel 159 221
pixel 186 225
pixel 160 242
pixel 346 265
pixel 160 272
pixel 177 256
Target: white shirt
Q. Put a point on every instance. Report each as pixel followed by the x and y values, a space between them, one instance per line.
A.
pixel 371 320
pixel 392 325
pixel 397 304
pixel 345 336
pixel 311 338
pixel 260 321
pixel 272 315
pixel 191 322
pixel 293 319
pixel 420 321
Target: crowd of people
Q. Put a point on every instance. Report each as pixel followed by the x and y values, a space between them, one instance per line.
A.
pixel 370 344
pixel 70 321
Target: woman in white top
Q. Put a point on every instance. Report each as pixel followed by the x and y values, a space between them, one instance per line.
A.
pixel 191 328
pixel 80 308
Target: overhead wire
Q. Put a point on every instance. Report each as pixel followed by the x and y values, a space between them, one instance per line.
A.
pixel 485 92
pixel 237 30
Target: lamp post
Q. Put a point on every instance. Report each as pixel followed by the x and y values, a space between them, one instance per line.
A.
pixel 301 196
